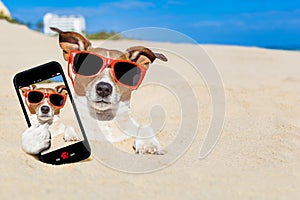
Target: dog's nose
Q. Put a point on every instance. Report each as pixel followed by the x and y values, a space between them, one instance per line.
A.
pixel 45 109
pixel 103 89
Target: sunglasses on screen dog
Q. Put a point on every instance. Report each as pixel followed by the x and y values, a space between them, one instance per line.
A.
pixel 36 97
pixel 124 72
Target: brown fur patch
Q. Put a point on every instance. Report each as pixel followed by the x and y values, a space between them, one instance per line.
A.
pixel 72 41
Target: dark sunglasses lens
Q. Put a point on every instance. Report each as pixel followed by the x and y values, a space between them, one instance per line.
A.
pixel 127 73
pixel 56 99
pixel 35 97
pixel 87 64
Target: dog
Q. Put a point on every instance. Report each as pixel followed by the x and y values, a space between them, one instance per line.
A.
pixel 106 98
pixel 44 118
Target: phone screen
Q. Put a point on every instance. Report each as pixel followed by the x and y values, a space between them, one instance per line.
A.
pixel 48 101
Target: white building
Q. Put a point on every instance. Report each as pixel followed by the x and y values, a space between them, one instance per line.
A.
pixel 64 23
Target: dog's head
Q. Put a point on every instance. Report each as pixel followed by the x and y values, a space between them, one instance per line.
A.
pixel 44 110
pixel 103 92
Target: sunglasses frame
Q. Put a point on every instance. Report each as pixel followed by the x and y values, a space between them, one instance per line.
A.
pixel 107 63
pixel 45 95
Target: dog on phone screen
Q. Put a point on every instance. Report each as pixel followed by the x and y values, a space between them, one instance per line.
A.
pixel 104 96
pixel 45 123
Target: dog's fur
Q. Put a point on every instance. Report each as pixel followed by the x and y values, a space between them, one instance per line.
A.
pixel 116 104
pixel 45 117
pixel 36 109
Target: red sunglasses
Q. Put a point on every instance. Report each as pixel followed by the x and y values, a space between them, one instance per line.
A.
pixel 124 72
pixel 36 97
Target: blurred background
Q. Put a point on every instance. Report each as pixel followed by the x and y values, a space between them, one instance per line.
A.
pixel 262 23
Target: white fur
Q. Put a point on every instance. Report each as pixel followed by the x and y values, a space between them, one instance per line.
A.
pixel 112 99
pixel 37 137
pixel 122 126
pixel 70 134
pixel 45 117
pixel 81 45
pixel 145 138
pixel 134 55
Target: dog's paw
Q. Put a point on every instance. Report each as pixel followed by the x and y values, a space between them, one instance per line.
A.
pixel 36 139
pixel 148 146
pixel 70 134
pixel 146 142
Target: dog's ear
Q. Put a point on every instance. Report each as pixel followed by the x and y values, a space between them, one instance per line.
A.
pixel 71 41
pixel 25 89
pixel 143 55
pixel 61 89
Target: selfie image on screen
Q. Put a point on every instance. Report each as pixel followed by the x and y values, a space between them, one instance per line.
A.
pixel 47 101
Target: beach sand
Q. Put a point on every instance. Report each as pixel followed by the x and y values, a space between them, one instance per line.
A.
pixel 256 157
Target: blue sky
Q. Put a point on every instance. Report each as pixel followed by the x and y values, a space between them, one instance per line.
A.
pixel 238 22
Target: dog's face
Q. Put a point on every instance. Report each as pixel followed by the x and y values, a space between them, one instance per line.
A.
pixel 102 92
pixel 44 110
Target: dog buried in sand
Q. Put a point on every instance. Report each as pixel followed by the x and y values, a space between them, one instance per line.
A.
pixel 104 79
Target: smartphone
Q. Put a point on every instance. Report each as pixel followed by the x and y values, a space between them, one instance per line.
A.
pixel 45 97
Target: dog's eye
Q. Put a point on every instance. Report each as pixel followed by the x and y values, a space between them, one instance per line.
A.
pixel 64 51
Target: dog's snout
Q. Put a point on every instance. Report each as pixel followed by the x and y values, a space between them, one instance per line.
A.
pixel 103 89
pixel 45 109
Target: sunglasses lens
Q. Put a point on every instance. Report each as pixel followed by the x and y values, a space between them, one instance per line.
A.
pixel 87 64
pixel 127 73
pixel 35 97
pixel 57 99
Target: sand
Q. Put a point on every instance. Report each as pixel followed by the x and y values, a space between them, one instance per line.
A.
pixel 256 157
